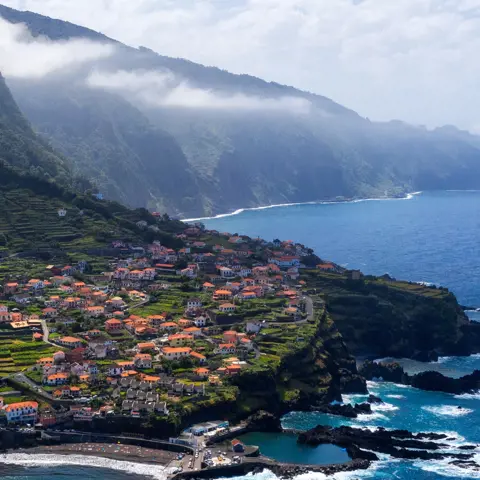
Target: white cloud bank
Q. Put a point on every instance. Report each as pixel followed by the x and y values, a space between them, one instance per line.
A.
pixel 23 56
pixel 410 59
pixel 158 89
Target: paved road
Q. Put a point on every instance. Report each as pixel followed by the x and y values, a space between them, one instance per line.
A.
pixel 46 332
pixel 20 377
pixel 309 310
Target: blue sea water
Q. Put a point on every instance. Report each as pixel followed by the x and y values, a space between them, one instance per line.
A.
pixel 432 237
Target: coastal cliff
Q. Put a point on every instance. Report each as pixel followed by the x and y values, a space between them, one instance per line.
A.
pixel 382 317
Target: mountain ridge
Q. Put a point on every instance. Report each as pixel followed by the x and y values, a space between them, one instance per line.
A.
pixel 230 141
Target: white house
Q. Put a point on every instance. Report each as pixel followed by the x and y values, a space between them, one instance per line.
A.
pixel 143 360
pixel 200 322
pixel 245 272
pixel 194 303
pixel 62 212
pixel 227 308
pixel 226 272
pixel 226 348
pixel 175 353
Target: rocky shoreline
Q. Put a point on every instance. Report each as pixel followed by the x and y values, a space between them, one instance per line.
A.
pixel 430 381
pixel 366 444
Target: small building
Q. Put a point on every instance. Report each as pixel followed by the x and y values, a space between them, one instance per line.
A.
pixel 238 446
pixel 113 326
pixel 227 308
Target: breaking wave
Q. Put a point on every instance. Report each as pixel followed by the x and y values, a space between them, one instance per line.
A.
pixel 47 460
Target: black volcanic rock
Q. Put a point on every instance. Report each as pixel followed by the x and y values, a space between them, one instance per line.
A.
pixel 345 410
pixel 264 422
pixel 435 381
pixel 397 443
pixel 430 381
pixel 352 383
pixel 374 399
pixel 426 356
pixel 389 372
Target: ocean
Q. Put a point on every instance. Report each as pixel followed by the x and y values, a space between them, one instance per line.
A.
pixel 430 237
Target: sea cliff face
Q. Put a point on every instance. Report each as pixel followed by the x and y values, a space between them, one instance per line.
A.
pixel 383 317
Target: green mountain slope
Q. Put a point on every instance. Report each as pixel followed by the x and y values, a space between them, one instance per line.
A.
pixel 19 145
pixel 198 160
pixel 126 157
pixel 32 193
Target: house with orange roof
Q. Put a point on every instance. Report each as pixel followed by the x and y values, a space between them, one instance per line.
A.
pixel 222 294
pixel 22 412
pixel 194 331
pixel 113 326
pixel 198 357
pixel 185 322
pixel 72 302
pixel 152 379
pixel 57 379
pixel 37 337
pixel 226 348
pixel 207 286
pixel 326 267
pixel 233 369
pixel 180 340
pixel 247 343
pixel 10 288
pixel 45 361
pixel 84 378
pixel 143 360
pixel 175 353
pixel 156 320
pixel 70 342
pixel 202 372
pixel 146 347
pixel 49 312
pixel 227 308
pixel 168 326
pixel 78 285
pixel 95 311
pixel 230 336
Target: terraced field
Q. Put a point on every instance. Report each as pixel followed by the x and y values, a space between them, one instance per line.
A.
pixel 18 354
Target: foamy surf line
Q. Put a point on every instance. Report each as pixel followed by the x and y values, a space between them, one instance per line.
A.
pixel 47 460
pixel 409 196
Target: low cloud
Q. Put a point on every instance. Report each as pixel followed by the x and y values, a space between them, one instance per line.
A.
pixel 25 56
pixel 164 89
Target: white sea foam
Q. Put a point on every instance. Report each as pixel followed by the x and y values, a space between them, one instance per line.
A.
pixel 446 469
pixel 383 407
pixel 367 417
pixel 447 410
pixel 41 460
pixel 409 196
pixel 468 396
pixel 395 396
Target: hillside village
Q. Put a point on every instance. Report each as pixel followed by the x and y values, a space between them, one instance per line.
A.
pixel 159 332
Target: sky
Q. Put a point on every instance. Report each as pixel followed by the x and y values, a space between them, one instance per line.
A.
pixel 413 60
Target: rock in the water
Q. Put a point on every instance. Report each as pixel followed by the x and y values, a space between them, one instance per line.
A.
pixel 397 443
pixel 264 422
pixel 345 410
pixel 435 381
pixel 373 399
pixel 389 372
